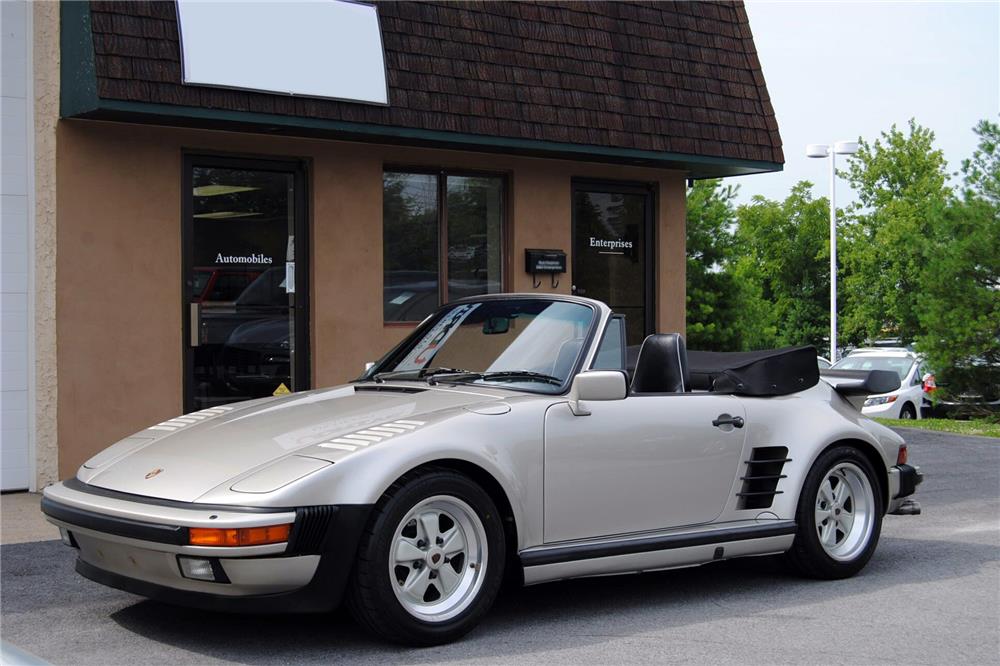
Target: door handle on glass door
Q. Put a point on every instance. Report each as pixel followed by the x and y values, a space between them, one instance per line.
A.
pixel 195 324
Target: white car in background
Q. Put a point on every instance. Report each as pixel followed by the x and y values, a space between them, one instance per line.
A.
pixel 909 399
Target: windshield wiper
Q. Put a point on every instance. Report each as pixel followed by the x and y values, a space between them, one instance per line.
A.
pixel 421 373
pixel 501 375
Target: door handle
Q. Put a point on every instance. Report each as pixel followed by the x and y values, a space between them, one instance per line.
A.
pixel 194 337
pixel 726 419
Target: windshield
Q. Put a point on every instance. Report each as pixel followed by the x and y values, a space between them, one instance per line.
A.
pixel 530 344
pixel 899 364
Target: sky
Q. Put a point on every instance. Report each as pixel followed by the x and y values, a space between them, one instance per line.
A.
pixel 843 70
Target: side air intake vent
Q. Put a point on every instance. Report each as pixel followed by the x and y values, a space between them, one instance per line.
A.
pixel 311 526
pixel 762 476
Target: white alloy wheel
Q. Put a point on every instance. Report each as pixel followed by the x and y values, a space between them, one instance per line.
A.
pixel 438 558
pixel 845 511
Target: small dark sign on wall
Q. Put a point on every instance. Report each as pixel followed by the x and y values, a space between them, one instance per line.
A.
pixel 544 261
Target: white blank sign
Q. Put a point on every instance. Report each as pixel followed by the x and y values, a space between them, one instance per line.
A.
pixel 313 48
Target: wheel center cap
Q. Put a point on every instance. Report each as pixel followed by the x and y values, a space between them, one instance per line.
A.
pixel 435 559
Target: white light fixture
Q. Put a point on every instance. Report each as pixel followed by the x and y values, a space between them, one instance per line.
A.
pixel 217 190
pixel 822 150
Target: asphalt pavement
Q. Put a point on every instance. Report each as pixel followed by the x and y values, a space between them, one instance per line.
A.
pixel 930 595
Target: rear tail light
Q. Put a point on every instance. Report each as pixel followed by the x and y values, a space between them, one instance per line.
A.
pixel 902 456
pixel 243 536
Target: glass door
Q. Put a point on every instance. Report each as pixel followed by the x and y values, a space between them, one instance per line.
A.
pixel 245 301
pixel 612 251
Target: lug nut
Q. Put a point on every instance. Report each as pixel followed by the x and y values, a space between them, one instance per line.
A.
pixel 421 544
pixel 432 575
pixel 439 541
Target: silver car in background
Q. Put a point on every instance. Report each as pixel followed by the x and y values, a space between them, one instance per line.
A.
pixel 503 438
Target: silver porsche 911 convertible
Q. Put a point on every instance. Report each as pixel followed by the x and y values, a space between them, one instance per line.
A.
pixel 508 436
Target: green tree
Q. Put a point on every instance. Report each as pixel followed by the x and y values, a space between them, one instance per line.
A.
pixel 901 183
pixel 982 170
pixel 959 309
pixel 713 294
pixel 783 264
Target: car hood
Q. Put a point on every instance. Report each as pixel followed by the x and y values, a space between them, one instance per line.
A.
pixel 186 457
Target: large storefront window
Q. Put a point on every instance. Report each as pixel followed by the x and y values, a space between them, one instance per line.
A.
pixel 442 240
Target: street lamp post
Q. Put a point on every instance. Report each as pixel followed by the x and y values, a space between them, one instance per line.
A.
pixel 822 150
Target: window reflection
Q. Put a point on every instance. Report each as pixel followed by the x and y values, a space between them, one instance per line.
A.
pixel 414 221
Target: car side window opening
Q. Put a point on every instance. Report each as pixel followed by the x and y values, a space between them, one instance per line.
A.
pixel 611 352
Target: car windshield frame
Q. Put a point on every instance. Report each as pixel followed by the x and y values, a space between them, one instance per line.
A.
pixel 902 378
pixel 400 351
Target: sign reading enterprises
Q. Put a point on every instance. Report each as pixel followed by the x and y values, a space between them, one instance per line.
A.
pixel 313 48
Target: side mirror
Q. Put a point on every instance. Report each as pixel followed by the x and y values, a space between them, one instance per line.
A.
pixel 596 385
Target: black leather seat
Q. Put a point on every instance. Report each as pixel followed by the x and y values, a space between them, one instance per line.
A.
pixel 662 365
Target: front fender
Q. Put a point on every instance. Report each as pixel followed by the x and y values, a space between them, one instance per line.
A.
pixel 506 446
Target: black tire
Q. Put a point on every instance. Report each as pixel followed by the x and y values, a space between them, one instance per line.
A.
pixel 908 412
pixel 807 555
pixel 372 597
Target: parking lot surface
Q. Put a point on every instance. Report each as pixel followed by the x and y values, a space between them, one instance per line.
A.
pixel 930 595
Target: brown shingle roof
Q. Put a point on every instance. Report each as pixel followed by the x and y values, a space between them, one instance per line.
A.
pixel 667 77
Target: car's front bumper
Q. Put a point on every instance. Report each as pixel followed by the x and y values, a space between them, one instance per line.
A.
pixel 133 543
pixel 903 482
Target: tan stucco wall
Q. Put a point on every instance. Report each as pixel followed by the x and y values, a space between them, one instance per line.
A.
pixel 119 298
pixel 45 84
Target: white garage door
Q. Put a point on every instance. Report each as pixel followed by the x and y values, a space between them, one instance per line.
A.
pixel 14 246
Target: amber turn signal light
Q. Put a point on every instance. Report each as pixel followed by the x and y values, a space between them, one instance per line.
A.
pixel 902 456
pixel 243 536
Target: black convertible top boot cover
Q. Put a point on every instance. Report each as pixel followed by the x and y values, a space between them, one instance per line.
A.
pixel 758 373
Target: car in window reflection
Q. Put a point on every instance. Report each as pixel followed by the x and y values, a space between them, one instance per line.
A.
pixel 220 285
pixel 409 296
pixel 244 346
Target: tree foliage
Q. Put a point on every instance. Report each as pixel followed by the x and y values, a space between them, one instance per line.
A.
pixel 783 258
pixel 959 311
pixel 917 260
pixel 900 180
pixel 713 294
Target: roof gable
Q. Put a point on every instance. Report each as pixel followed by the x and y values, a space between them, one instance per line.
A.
pixel 673 78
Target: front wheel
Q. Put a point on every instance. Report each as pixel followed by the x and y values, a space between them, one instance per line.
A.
pixel 839 516
pixel 908 412
pixel 431 563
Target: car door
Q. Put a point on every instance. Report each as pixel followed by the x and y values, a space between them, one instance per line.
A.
pixel 647 462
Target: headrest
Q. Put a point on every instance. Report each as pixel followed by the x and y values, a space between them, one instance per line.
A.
pixel 662 365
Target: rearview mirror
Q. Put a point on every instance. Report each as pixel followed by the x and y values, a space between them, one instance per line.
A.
pixel 600 385
pixel 496 325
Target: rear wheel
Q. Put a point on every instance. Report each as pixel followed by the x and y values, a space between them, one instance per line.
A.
pixel 839 516
pixel 431 562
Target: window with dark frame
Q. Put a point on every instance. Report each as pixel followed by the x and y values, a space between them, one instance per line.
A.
pixel 442 240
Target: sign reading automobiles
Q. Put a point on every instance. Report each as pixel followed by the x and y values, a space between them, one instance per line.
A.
pixel 258 259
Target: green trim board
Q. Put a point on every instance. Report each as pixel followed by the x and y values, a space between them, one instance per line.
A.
pixel 79 99
pixel 77 74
